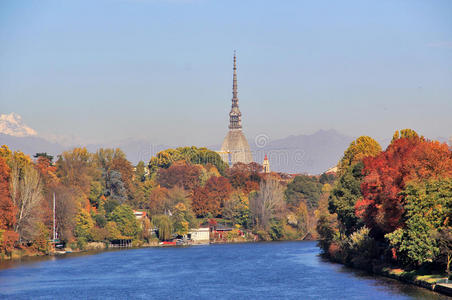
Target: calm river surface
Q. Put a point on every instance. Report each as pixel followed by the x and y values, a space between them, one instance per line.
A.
pixel 279 270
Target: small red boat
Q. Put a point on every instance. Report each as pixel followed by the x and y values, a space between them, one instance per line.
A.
pixel 168 243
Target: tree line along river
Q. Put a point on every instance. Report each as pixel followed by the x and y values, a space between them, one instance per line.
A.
pixel 274 270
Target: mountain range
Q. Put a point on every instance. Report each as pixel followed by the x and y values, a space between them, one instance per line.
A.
pixel 305 153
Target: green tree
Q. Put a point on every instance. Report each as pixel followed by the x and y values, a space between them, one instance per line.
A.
pixel 193 155
pixel 303 188
pixel 326 230
pixel 96 192
pixel 428 206
pixel 125 220
pixel 83 225
pixel 237 209
pixel 164 226
pixel 113 232
pixel 344 196
pixel 140 172
pixel 180 224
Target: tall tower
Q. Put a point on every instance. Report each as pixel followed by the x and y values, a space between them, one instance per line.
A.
pixel 235 147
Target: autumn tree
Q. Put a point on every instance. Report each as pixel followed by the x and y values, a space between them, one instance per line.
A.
pixel 156 202
pixel 83 225
pixel 177 202
pixel 405 133
pixel 210 198
pixel 76 169
pixel 386 175
pixel 66 208
pixel 192 155
pixel 115 167
pixel 7 212
pixel 360 148
pixel 180 174
pixel 245 177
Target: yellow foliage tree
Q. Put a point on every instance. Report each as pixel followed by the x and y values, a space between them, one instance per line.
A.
pixel 361 147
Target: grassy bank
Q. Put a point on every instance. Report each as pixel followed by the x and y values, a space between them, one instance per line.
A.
pixel 433 282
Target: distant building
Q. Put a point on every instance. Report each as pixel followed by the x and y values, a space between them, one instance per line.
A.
pixel 139 214
pixel 266 165
pixel 200 235
pixel 332 170
pixel 235 147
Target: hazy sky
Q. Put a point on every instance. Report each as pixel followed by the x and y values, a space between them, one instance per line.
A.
pixel 162 70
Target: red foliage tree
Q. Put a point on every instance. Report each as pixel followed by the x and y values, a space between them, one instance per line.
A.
pixel 245 176
pixel 386 175
pixel 179 174
pixel 211 197
pixel 7 211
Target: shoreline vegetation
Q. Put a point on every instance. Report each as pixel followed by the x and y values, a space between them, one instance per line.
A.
pixel 389 211
pixel 384 211
pixel 183 195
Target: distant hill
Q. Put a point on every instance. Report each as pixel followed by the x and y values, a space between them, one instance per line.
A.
pixel 135 150
pixel 312 154
pixel 30 144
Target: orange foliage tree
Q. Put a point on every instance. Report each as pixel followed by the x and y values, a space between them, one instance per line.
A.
pixel 156 201
pixel 7 211
pixel 211 197
pixel 245 176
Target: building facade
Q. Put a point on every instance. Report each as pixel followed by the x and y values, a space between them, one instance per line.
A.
pixel 266 165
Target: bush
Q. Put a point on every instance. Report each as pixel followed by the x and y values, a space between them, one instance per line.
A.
pixel 276 231
pixel 360 248
pixel 81 243
pixel 263 235
pixel 99 234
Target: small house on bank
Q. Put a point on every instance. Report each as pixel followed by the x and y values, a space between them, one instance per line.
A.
pixel 200 235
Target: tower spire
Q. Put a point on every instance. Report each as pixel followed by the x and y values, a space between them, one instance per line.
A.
pixel 235 99
pixel 235 116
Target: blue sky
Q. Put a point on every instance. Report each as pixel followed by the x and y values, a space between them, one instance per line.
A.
pixel 162 70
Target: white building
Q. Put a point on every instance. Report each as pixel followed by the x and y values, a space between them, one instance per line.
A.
pixel 200 235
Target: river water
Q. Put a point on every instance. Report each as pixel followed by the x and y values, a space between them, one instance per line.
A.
pixel 276 270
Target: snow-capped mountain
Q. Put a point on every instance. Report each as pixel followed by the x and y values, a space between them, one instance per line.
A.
pixel 12 124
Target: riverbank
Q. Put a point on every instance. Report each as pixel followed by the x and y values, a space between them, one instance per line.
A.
pixel 433 282
pixel 96 247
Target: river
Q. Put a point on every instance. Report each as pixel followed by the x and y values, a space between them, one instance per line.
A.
pixel 276 270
